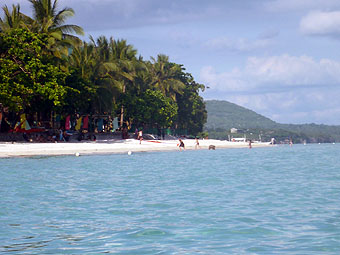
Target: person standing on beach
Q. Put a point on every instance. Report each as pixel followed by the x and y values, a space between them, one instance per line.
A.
pixel 140 136
pixel 197 144
pixel 272 141
pixel 250 144
pixel 181 144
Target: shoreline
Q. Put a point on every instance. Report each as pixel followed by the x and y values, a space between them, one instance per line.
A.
pixel 24 149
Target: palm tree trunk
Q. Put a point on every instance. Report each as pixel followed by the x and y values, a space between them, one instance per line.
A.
pixel 121 116
pixel 122 111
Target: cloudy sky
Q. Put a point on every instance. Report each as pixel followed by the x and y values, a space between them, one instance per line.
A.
pixel 280 58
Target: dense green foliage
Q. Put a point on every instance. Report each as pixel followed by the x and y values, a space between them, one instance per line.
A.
pixel 152 107
pixel 192 113
pixel 222 116
pixel 44 67
pixel 26 75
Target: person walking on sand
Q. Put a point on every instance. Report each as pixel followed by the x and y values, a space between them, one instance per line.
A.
pixel 140 136
pixel 197 144
pixel 181 144
pixel 250 144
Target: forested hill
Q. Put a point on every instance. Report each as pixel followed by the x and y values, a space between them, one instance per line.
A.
pixel 223 115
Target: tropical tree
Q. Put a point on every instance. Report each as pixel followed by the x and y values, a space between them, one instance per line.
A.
pixel 83 57
pixel 107 89
pixel 81 90
pixel 122 68
pixel 13 19
pixel 152 108
pixel 166 76
pixel 88 62
pixel 25 75
pixel 48 19
pixel 192 114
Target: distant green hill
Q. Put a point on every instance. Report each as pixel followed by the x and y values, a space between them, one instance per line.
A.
pixel 223 115
pixel 226 115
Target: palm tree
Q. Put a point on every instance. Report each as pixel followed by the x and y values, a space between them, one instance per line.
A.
pixel 48 19
pixel 107 89
pixel 83 58
pixel 102 48
pixel 88 60
pixel 166 76
pixel 14 19
pixel 111 65
pixel 122 67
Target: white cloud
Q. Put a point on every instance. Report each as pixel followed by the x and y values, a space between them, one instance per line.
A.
pixel 284 88
pixel 274 73
pixel 227 81
pixel 321 23
pixel 291 71
pixel 292 107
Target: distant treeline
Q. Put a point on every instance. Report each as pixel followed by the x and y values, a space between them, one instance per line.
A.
pixel 223 115
pixel 46 68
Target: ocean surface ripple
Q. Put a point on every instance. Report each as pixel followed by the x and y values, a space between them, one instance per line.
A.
pixel 279 200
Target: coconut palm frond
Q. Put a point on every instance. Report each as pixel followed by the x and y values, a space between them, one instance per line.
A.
pixel 71 29
pixel 62 15
pixel 111 67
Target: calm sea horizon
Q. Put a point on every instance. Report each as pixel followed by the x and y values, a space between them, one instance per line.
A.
pixel 277 200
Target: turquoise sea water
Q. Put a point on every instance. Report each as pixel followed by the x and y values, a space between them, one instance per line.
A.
pixel 281 200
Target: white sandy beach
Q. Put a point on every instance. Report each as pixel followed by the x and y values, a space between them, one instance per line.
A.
pixel 110 146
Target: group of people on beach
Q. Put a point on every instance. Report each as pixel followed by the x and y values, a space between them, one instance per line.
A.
pixel 182 146
pixel 60 135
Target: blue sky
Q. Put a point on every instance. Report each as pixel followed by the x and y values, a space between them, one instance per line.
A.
pixel 280 58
